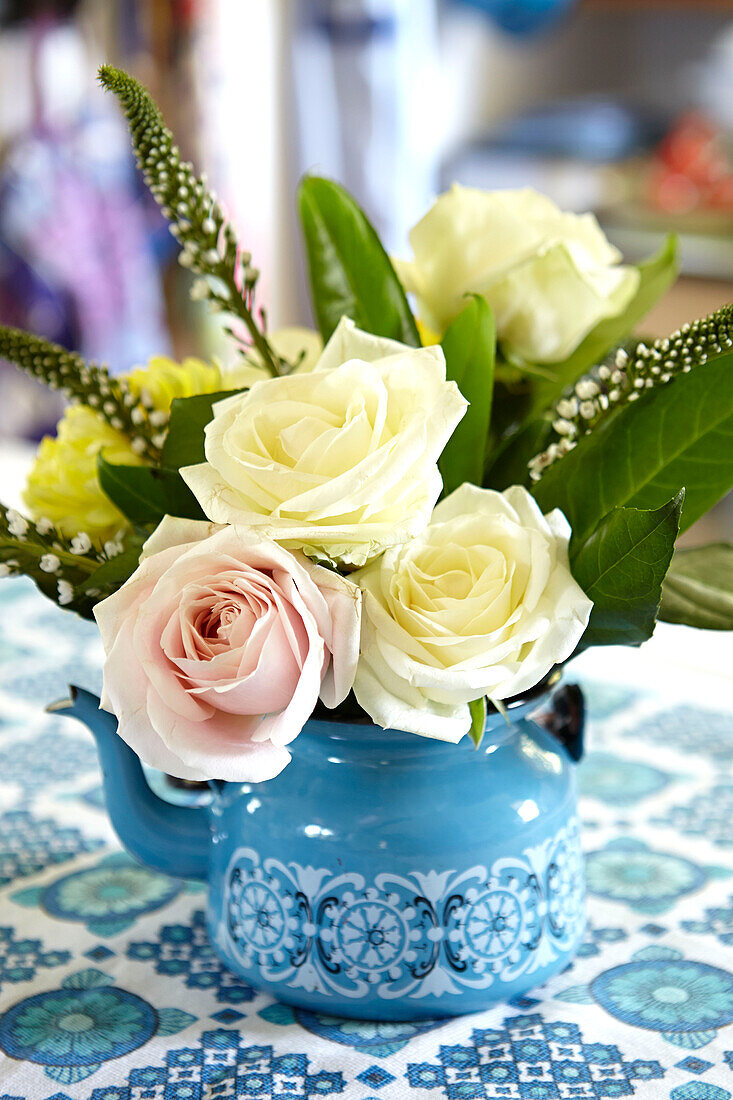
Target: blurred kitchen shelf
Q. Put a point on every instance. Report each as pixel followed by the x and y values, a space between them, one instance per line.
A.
pixel 687 299
pixel 703 255
pixel 623 6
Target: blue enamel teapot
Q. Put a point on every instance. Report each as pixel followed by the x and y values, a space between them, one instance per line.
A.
pixel 381 875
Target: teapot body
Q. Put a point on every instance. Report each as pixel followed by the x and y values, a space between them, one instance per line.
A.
pixel 387 876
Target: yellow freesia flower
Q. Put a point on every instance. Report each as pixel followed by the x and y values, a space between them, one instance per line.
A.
pixel 163 380
pixel 63 486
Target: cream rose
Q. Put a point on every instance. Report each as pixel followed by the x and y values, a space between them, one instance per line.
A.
pixel 341 461
pixel 218 647
pixel 482 603
pixel 549 277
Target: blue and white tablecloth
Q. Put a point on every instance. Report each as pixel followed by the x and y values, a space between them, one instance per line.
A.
pixel 110 990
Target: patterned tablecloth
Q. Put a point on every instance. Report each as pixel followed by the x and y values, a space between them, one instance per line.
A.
pixel 110 990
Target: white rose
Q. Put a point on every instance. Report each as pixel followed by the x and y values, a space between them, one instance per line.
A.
pixel 341 461
pixel 549 277
pixel 482 603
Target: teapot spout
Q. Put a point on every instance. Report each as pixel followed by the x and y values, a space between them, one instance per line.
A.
pixel 167 838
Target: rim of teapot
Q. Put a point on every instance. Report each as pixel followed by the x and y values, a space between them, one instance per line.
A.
pixel 498 729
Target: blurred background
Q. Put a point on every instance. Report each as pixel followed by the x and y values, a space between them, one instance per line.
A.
pixel 623 107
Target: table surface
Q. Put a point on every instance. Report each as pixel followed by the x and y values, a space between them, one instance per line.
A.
pixel 107 977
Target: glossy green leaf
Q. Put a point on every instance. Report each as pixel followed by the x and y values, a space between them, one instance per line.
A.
pixel 351 275
pixel 144 494
pixel 621 566
pixel 509 461
pixel 677 434
pixel 478 720
pixel 469 346
pixel 657 275
pixel 184 443
pixel 698 590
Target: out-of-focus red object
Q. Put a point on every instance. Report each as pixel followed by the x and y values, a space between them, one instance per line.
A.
pixel 691 169
pixel 186 11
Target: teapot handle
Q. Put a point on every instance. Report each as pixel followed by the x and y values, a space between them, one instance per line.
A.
pixel 565 719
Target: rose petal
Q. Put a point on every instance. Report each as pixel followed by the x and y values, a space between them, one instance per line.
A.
pixel 216 650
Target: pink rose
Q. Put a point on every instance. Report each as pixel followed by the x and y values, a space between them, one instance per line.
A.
pixel 218 647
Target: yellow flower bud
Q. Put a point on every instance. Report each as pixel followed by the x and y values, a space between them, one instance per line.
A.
pixel 163 380
pixel 63 484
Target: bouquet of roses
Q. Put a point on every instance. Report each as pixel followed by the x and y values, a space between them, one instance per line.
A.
pixel 407 520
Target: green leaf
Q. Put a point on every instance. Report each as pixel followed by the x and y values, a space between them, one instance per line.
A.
pixel 657 275
pixel 469 346
pixel 677 434
pixel 112 574
pixel 184 443
pixel 621 567
pixel 24 551
pixel 509 461
pixel 144 494
pixel 350 273
pixel 478 720
pixel 698 590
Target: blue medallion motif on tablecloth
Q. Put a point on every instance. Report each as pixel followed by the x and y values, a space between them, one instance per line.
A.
pixel 406 934
pixel 706 733
pixel 66 648
pixel 684 1000
pixel 28 844
pixel 693 1064
pixel 21 958
pixel 107 897
pixel 91 1026
pixel 71 1031
pixel 531 1059
pixel 185 950
pixel 223 1064
pixel 12 651
pixel 708 815
pixel 596 938
pixel 376 1077
pixel 35 763
pixel 699 1090
pixel 618 781
pixel 645 879
pixel 716 921
pixel 47 675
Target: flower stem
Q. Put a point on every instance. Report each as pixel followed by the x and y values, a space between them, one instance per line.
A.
pixel 83 383
pixel 208 242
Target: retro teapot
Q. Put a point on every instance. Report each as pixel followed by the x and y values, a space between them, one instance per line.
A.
pixel 381 875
